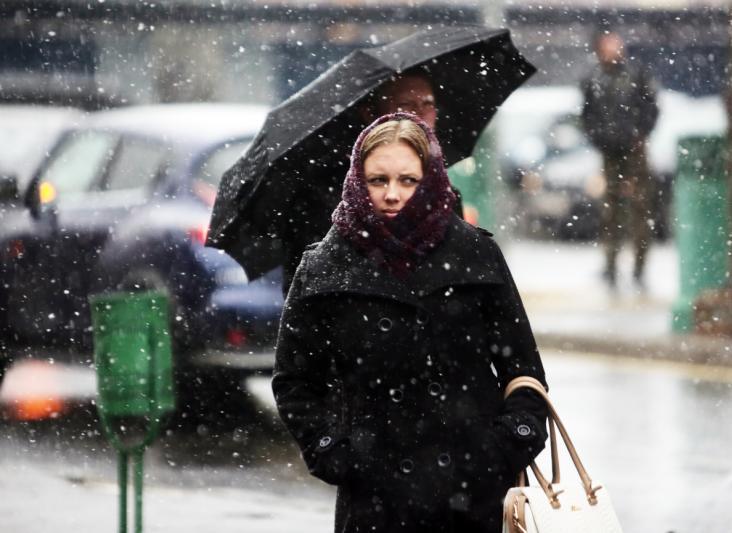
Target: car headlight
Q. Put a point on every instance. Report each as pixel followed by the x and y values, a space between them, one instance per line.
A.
pixel 595 186
pixel 46 192
pixel 532 182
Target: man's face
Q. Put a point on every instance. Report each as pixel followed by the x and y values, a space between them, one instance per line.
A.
pixel 411 94
pixel 610 49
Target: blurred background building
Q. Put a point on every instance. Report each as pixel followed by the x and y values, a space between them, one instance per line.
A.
pixel 116 52
pixel 109 53
pixel 121 51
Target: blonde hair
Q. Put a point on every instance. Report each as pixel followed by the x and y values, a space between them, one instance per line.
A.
pixel 395 131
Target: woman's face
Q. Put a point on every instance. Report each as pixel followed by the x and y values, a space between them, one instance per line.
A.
pixel 393 172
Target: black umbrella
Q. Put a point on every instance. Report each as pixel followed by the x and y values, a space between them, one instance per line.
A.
pixel 473 70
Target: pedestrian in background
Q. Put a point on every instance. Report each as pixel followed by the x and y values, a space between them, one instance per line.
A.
pixel 400 330
pixel 618 115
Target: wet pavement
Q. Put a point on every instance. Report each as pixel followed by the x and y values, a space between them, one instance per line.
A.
pixel 570 306
pixel 567 294
pixel 60 472
pixel 657 435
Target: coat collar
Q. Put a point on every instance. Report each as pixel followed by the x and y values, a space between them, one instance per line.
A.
pixel 466 256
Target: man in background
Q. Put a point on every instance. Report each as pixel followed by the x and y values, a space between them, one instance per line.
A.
pixel 618 115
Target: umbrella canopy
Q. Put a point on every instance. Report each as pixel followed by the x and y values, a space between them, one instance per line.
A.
pixel 305 140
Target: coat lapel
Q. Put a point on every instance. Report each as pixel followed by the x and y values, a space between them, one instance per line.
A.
pixel 463 258
pixel 334 266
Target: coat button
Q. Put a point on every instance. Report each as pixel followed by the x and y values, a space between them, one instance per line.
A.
pixel 406 466
pixel 385 324
pixel 325 442
pixel 422 317
pixel 523 430
pixel 444 459
pixel 434 389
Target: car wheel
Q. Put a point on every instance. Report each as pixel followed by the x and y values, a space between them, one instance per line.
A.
pixel 6 334
pixel 582 223
pixel 5 362
pixel 214 398
pixel 143 280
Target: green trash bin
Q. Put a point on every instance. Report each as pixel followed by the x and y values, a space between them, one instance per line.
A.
pixel 133 359
pixel 132 353
pixel 701 222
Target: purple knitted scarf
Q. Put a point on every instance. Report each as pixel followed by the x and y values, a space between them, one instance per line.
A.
pixel 400 243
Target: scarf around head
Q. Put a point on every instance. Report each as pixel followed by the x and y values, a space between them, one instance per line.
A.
pixel 400 243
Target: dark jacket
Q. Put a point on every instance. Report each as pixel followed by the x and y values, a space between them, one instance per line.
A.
pixel 620 107
pixel 393 389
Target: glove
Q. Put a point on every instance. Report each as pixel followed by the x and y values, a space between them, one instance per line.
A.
pixel 330 460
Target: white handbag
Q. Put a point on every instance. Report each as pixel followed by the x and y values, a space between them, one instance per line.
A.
pixel 554 507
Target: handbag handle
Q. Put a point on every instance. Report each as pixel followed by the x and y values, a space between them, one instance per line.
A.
pixel 535 385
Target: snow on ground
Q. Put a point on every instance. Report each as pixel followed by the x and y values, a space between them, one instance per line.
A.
pixel 564 293
pixel 68 504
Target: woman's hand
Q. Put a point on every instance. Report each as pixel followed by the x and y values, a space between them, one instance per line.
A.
pixel 334 465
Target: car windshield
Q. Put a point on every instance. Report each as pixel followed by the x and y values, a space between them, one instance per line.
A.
pixel 220 160
pixel 208 176
pixel 23 147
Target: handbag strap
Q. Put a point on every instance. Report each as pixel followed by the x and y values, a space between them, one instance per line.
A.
pixel 514 513
pixel 535 385
pixel 523 478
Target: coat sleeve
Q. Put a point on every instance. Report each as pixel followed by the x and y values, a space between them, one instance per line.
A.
pixel 589 119
pixel 520 430
pixel 306 391
pixel 647 95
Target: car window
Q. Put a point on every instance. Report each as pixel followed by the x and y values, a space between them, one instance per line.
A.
pixel 137 164
pixel 79 163
pixel 206 181
pixel 27 133
pixel 220 160
pixel 23 147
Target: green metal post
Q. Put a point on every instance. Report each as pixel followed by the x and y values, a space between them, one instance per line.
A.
pixel 701 222
pixel 122 480
pixel 138 457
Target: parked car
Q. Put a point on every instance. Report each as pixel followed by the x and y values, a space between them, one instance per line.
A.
pixel 558 174
pixel 122 202
pixel 560 195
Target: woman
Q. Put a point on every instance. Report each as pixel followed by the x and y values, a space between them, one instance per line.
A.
pixel 399 331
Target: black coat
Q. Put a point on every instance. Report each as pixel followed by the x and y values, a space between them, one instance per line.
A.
pixel 393 389
pixel 619 108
